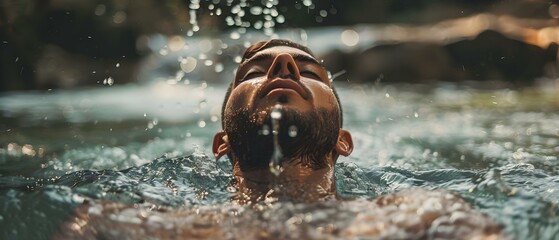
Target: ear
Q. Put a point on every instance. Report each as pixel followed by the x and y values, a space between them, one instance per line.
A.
pixel 344 145
pixel 220 145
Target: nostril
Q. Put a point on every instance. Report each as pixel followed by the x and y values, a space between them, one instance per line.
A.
pixel 277 69
pixel 290 68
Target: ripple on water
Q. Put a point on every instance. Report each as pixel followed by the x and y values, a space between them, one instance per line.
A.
pixel 500 159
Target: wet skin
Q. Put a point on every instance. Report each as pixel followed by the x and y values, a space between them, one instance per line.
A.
pixel 295 80
pixel 281 74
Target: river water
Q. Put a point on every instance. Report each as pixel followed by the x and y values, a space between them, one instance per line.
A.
pixel 496 148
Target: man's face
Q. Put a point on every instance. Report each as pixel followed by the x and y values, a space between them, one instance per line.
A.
pixel 284 75
pixel 298 82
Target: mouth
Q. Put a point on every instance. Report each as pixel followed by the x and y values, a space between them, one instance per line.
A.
pixel 283 87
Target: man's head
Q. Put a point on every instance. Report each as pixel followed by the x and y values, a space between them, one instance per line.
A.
pixel 285 74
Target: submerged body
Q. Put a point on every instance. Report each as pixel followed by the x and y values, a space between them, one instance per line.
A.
pixel 410 214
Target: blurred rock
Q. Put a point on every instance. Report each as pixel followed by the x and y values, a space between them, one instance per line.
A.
pixel 65 44
pixel 493 56
pixel 490 56
pixel 403 62
pixel 58 68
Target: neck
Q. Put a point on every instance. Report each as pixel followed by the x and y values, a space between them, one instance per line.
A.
pixel 295 183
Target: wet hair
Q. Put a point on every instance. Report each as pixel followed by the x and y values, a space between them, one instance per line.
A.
pixel 259 46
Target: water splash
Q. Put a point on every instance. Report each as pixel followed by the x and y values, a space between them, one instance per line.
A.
pixel 332 77
pixel 275 167
pixel 194 6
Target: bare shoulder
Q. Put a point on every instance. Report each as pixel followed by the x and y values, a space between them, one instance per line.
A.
pixel 410 214
pixel 418 213
pixel 106 220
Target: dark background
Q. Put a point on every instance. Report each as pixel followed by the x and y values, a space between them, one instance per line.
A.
pixel 93 35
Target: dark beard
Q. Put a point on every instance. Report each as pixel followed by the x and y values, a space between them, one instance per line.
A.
pixel 317 133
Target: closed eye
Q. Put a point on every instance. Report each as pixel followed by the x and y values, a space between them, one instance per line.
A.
pixel 252 74
pixel 310 74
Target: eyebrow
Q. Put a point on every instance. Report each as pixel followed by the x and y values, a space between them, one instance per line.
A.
pixel 296 56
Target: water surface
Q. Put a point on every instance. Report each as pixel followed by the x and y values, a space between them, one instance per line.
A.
pixel 150 144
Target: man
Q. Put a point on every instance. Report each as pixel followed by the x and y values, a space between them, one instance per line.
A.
pixel 282 78
pixel 282 133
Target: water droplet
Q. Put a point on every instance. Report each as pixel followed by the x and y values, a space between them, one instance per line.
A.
pixel 108 81
pixel 276 113
pixel 218 67
pixel 265 130
pixel 188 64
pixel 119 17
pixel 194 4
pixel 275 166
pixel 235 9
pixel 238 59
pixel 117 64
pixel 201 123
pixel 256 10
pixel 350 37
pixel 100 10
pixel 235 35
pixel 179 75
pixel 258 24
pixel 229 21
pixel 280 19
pixel 292 131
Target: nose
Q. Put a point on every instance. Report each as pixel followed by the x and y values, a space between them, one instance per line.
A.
pixel 284 66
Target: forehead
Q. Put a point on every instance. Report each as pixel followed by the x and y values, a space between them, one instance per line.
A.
pixel 282 49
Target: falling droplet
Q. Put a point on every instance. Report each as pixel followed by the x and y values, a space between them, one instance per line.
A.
pixel 275 167
pixel 276 113
pixel 218 67
pixel 292 131
pixel 108 81
pixel 201 123
pixel 265 130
